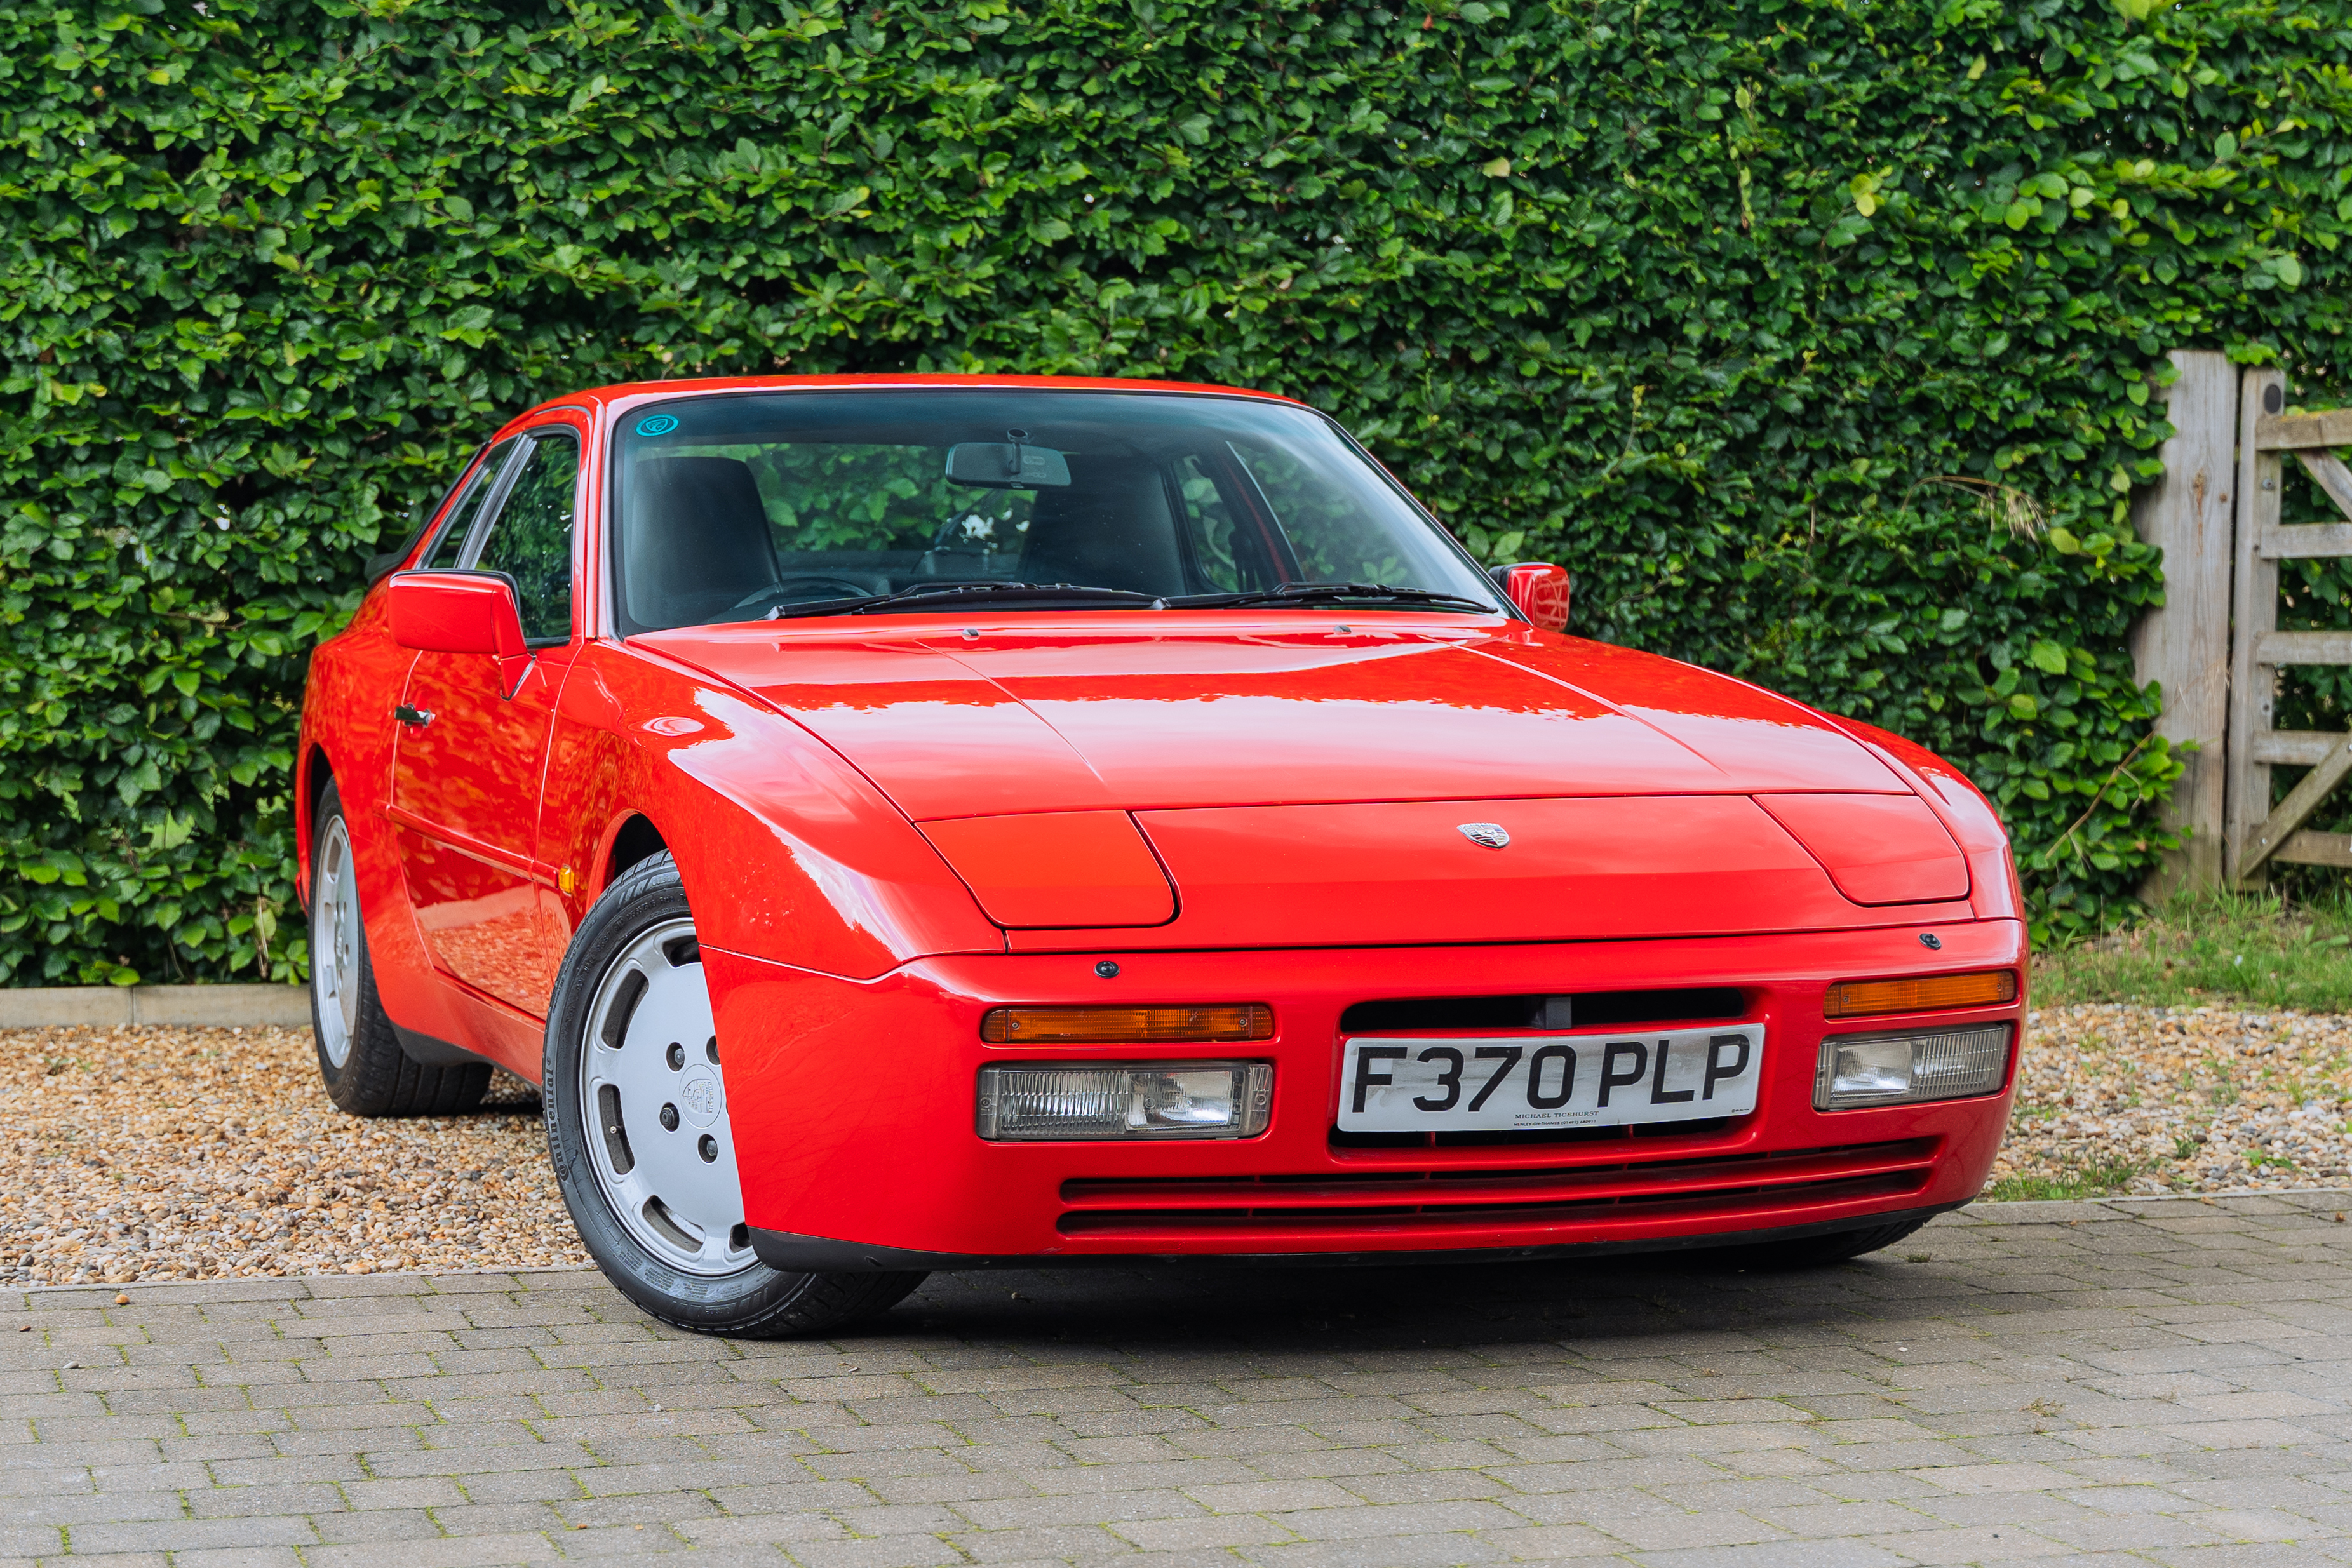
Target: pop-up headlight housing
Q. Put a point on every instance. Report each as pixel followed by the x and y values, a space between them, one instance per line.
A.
pixel 1042 870
pixel 1878 849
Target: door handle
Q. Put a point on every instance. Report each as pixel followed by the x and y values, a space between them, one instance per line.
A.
pixel 415 718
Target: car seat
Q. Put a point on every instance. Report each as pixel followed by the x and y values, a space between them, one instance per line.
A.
pixel 697 541
pixel 1109 527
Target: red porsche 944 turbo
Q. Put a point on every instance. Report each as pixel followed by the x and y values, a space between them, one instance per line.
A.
pixel 932 822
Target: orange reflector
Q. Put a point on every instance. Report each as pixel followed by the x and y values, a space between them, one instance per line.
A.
pixel 1115 1026
pixel 1861 998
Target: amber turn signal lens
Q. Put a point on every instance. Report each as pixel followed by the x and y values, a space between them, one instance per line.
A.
pixel 1863 998
pixel 1121 1026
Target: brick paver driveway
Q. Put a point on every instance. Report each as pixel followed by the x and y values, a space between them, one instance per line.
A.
pixel 2129 1382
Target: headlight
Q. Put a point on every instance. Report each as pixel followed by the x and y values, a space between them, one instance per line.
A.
pixel 1128 1100
pixel 1902 1068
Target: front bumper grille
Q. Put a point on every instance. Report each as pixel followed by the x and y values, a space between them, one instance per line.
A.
pixel 1434 1202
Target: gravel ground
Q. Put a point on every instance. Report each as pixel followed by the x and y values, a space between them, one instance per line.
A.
pixel 159 1154
pixel 2209 1099
pixel 175 1153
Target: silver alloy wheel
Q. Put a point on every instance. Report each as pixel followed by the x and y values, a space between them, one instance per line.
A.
pixel 654 1107
pixel 335 944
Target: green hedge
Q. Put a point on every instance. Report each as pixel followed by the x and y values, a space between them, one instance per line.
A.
pixel 1813 336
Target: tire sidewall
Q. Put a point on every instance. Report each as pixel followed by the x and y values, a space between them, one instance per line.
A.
pixel 749 1300
pixel 331 812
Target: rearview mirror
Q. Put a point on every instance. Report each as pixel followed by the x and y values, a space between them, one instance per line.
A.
pixel 461 612
pixel 1539 588
pixel 1006 465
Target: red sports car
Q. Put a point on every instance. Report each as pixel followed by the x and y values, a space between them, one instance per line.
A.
pixel 937 822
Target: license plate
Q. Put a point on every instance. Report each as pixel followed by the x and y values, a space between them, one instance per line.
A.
pixel 1389 1083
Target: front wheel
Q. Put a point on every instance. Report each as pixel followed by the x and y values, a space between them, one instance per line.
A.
pixel 637 1127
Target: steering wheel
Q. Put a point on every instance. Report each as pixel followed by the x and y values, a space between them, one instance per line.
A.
pixel 805 585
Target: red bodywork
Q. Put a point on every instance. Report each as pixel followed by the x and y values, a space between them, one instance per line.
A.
pixel 1239 806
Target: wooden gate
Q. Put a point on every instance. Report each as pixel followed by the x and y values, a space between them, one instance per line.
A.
pixel 2258 833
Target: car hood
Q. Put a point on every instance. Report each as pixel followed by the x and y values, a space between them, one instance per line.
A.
pixel 1172 711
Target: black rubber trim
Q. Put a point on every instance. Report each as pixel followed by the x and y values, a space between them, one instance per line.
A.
pixel 426 1052
pixel 818 1255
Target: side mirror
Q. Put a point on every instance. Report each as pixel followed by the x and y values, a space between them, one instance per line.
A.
pixel 1539 588
pixel 461 612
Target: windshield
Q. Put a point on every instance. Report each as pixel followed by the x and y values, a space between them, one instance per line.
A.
pixel 779 504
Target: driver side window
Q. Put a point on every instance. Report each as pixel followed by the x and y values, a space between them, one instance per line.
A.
pixel 530 539
pixel 450 549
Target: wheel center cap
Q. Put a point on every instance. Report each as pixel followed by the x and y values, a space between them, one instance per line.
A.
pixel 701 1096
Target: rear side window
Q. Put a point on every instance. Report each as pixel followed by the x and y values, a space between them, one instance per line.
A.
pixel 449 549
pixel 531 538
pixel 1208 525
pixel 1326 525
pixel 1231 546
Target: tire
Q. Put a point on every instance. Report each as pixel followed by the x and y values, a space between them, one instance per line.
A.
pixel 360 1059
pixel 1816 1252
pixel 637 1126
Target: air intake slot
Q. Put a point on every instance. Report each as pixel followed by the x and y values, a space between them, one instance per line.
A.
pixel 1298 1208
pixel 1586 1009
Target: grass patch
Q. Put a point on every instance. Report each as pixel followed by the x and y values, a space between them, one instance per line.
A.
pixel 2227 949
pixel 2091 1181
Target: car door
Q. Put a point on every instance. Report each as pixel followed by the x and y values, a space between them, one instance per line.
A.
pixel 471 757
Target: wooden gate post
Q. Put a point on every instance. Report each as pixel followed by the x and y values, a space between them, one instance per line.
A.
pixel 2185 644
pixel 2254 679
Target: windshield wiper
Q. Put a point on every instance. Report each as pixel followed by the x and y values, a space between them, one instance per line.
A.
pixel 1040 593
pixel 1330 592
pixel 958 594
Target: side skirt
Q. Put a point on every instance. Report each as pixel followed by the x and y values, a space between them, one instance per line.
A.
pixel 428 1052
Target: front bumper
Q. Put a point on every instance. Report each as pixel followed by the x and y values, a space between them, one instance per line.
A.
pixel 852 1107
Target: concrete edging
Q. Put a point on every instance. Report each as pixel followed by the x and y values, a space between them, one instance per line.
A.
pixel 44 1006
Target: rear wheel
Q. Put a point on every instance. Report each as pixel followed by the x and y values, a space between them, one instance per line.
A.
pixel 360 1058
pixel 638 1127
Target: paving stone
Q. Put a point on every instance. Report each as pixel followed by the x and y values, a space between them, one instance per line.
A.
pixel 379 1525
pixel 1409 1552
pixel 880 1552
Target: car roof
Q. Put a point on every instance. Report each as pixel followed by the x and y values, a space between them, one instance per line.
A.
pixel 622 392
